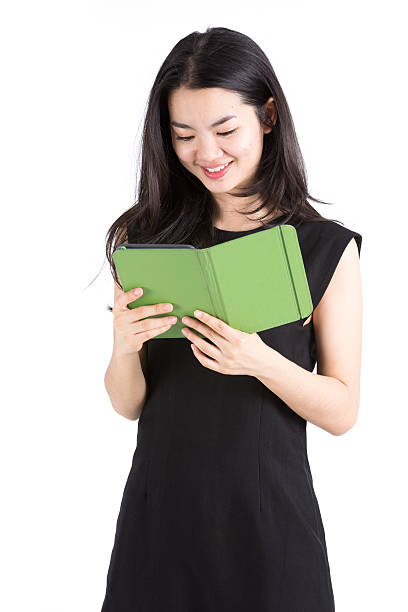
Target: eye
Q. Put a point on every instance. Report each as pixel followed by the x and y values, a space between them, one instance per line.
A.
pixel 187 138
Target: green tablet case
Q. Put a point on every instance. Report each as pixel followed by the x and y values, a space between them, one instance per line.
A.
pixel 252 283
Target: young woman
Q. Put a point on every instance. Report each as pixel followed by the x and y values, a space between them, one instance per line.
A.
pixel 219 511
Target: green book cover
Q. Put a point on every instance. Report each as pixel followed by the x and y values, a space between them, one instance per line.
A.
pixel 252 283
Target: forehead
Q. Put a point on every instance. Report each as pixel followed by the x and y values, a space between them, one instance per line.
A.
pixel 203 105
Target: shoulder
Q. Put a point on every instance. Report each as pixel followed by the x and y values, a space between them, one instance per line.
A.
pixel 322 244
pixel 325 232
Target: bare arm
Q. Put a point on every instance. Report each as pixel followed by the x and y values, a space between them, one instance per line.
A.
pixel 330 398
pixel 125 379
pixel 126 384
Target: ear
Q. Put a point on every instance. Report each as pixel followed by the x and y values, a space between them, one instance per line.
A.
pixel 269 109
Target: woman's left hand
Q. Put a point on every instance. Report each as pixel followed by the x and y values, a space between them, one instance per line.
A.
pixel 235 352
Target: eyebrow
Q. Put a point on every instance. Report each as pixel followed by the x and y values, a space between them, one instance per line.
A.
pixel 218 122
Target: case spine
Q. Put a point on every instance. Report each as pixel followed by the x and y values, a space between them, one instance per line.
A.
pixel 208 272
pixel 282 237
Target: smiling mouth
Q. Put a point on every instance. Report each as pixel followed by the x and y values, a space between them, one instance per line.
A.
pixel 217 166
pixel 219 173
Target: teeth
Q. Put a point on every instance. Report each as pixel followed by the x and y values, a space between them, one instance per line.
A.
pixel 217 169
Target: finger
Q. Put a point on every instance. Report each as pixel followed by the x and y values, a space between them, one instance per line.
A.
pixel 220 327
pixel 149 310
pixel 208 333
pixel 205 347
pixel 155 331
pixel 129 296
pixel 140 312
pixel 211 364
pixel 147 324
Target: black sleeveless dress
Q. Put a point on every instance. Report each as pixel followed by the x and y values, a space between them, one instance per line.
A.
pixel 219 512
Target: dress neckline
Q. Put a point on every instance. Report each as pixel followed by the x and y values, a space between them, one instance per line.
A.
pixel 224 231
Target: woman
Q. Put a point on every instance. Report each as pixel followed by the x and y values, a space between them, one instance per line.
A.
pixel 219 511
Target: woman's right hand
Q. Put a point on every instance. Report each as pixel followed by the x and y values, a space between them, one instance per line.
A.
pixel 130 332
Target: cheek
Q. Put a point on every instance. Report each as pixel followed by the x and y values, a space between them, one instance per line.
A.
pixel 248 146
pixel 251 147
pixel 185 154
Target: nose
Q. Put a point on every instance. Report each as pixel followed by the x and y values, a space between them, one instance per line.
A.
pixel 208 152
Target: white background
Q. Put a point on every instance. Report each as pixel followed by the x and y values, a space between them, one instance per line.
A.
pixel 75 79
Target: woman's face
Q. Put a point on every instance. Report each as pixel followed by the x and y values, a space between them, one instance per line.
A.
pixel 237 140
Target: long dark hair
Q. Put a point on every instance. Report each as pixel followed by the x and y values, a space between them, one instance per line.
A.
pixel 172 205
